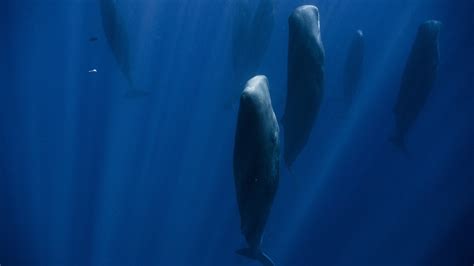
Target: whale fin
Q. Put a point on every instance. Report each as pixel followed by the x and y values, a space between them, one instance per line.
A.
pixel 256 255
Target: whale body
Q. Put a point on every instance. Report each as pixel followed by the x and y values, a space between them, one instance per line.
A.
pixel 417 80
pixel 305 79
pixel 256 164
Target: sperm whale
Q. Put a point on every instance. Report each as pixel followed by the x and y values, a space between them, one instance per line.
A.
pixel 256 164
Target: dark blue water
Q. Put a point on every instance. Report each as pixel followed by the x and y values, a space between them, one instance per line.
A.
pixel 90 177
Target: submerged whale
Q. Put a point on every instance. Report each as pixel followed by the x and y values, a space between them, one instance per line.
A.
pixel 417 80
pixel 305 79
pixel 256 164
pixel 353 67
pixel 118 41
pixel 251 36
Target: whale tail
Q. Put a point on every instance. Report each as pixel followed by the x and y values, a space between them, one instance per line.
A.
pixel 256 255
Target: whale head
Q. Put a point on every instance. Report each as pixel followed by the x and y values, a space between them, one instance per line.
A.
pixel 358 37
pixel 431 29
pixel 304 22
pixel 256 95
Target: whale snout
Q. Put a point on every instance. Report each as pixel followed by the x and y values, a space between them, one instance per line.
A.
pixel 437 25
pixel 430 29
pixel 432 25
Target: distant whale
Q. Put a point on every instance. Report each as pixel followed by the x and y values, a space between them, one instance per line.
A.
pixel 256 164
pixel 353 67
pixel 250 39
pixel 118 40
pixel 418 79
pixel 305 79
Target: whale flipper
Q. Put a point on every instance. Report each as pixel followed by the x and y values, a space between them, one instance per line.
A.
pixel 258 255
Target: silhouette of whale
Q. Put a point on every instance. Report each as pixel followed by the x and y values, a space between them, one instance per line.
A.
pixel 305 80
pixel 417 81
pixel 119 42
pixel 256 164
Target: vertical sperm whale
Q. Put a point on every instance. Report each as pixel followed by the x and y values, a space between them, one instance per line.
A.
pixel 417 80
pixel 305 79
pixel 353 67
pixel 256 164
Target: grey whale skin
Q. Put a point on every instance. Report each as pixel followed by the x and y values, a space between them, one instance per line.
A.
pixel 118 41
pixel 256 164
pixel 353 67
pixel 251 36
pixel 305 79
pixel 417 80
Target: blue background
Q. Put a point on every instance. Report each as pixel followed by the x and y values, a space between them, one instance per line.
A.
pixel 90 177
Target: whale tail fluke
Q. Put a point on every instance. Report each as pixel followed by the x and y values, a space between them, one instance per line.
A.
pixel 256 255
